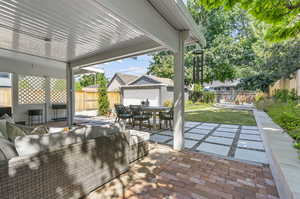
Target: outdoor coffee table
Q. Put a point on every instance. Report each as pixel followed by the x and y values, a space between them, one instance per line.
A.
pixel 154 110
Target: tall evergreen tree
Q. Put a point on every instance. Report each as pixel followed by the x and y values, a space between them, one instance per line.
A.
pixel 103 103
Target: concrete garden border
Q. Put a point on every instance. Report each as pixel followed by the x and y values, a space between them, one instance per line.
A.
pixel 283 157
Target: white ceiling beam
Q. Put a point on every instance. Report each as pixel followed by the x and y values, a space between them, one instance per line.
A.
pixel 116 54
pixel 141 15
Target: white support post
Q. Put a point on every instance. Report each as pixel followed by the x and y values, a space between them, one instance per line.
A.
pixel 70 95
pixel 47 115
pixel 179 93
pixel 15 94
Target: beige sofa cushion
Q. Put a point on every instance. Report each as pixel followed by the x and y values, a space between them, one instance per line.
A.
pixel 7 150
pixel 3 128
pixel 13 131
pixel 30 144
pixel 92 132
pixel 3 131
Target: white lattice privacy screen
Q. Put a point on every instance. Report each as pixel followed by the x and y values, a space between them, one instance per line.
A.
pixel 31 89
pixel 58 91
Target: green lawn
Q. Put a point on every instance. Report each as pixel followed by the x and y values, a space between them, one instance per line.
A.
pixel 208 113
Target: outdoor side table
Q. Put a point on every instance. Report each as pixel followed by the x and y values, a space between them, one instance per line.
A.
pixel 59 107
pixel 35 113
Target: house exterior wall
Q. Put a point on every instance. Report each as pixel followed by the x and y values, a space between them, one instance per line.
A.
pixel 114 86
pixel 168 94
pixel 134 96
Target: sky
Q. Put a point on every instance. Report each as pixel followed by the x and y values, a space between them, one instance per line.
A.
pixel 135 66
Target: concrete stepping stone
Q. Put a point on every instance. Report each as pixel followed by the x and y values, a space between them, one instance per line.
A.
pixel 250 137
pixel 253 132
pixel 250 127
pixel 187 143
pixel 251 144
pixel 229 126
pixel 223 134
pixel 227 130
pixel 194 136
pixel 214 148
pixel 210 124
pixel 199 131
pixel 205 127
pixel 219 140
pixel 191 124
pixel 251 155
pixel 169 133
pixel 159 138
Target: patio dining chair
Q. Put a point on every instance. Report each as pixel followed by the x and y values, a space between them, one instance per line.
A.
pixel 122 113
pixel 167 117
pixel 139 115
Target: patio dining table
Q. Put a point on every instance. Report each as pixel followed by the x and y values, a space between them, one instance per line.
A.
pixel 154 110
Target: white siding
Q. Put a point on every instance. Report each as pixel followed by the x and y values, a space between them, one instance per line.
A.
pixel 114 86
pixel 135 96
pixel 169 95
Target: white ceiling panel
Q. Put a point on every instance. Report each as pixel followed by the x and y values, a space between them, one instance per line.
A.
pixel 62 30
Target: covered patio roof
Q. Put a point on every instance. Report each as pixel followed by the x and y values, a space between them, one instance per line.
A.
pixel 58 37
pixel 91 32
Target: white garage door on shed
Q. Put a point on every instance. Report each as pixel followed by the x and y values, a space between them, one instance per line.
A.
pixel 136 96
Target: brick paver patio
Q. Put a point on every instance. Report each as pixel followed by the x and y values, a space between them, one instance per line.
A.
pixel 167 174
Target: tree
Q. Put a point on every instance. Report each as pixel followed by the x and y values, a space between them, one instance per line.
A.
pixel 280 61
pixel 260 82
pixel 103 103
pixel 90 79
pixel 229 53
pixel 281 16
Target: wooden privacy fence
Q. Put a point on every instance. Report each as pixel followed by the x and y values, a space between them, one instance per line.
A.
pixel 83 100
pixel 114 97
pixel 89 100
pixel 5 96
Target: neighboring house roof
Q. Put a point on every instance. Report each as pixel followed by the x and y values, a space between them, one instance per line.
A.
pixel 126 80
pixel 149 79
pixel 218 84
pixel 123 79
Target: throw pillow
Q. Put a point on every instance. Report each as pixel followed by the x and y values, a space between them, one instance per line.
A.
pixel 7 118
pixel 13 131
pixel 7 149
pixel 3 128
pixel 40 130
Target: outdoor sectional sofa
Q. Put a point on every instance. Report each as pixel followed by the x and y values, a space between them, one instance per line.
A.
pixel 74 170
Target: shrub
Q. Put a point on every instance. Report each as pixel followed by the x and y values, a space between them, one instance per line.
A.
pixel 259 96
pixel 203 96
pixel 289 120
pixel 168 103
pixel 189 102
pixel 264 104
pixel 285 95
pixel 295 134
pixel 103 103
